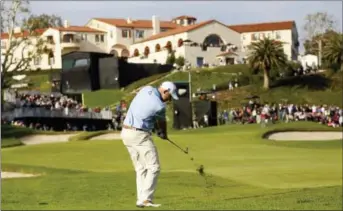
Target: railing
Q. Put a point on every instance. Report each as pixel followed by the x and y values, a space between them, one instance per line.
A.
pixel 56 113
pixel 71 40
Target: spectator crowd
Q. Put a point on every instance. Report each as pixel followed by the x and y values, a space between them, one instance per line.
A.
pixel 251 113
pixel 52 105
pixel 270 113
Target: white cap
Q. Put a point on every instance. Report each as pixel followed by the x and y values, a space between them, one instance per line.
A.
pixel 170 86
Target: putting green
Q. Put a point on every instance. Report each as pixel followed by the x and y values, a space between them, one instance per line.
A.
pixel 248 172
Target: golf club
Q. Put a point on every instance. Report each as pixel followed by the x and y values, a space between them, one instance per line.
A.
pixel 183 150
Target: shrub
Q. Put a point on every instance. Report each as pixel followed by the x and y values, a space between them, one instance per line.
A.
pixel 10 142
pixel 236 68
pixel 171 58
pixel 180 61
pixel 294 65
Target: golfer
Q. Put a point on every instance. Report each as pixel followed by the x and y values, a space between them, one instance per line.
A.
pixel 147 109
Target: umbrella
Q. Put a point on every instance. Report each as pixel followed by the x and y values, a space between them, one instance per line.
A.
pixel 188 40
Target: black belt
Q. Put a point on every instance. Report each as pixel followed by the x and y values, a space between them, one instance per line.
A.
pixel 133 128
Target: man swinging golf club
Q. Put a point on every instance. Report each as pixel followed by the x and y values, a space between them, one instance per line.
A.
pixel 147 109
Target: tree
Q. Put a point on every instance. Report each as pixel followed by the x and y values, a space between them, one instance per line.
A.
pixel 312 47
pixel 317 24
pixel 265 55
pixel 26 43
pixel 171 58
pixel 180 61
pixel 43 21
pixel 21 48
pixel 333 50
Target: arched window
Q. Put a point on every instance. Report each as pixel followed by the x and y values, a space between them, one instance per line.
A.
pixel 136 52
pixel 146 51
pixel 51 58
pixel 125 53
pixel 213 40
pixel 180 43
pixel 114 53
pixel 157 48
pixel 169 46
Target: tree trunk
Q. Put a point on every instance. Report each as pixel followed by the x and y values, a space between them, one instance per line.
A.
pixel 266 79
pixel 2 90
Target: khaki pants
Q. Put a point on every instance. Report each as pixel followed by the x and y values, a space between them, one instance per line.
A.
pixel 145 160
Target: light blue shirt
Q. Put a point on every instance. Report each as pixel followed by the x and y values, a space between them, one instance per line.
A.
pixel 145 109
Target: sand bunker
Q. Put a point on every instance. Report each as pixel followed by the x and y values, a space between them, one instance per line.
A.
pixel 45 139
pixel 108 136
pixel 7 175
pixel 306 136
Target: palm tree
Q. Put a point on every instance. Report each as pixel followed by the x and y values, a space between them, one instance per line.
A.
pixel 265 55
pixel 333 50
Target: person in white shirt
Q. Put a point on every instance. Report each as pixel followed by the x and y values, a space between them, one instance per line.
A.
pixel 206 120
pixel 57 105
pixel 265 115
pixel 230 86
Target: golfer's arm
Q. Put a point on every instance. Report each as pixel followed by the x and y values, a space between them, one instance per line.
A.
pixel 161 122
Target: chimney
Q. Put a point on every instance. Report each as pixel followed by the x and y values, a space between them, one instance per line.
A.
pixel 17 30
pixel 129 20
pixel 155 25
pixel 66 24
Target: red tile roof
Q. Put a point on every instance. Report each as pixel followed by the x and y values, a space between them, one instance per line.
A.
pixel 77 29
pixel 177 31
pixel 257 27
pixel 24 33
pixel 41 31
pixel 136 23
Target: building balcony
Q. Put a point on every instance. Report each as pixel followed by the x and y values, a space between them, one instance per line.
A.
pixel 72 43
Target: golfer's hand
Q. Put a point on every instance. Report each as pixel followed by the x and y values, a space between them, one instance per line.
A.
pixel 162 135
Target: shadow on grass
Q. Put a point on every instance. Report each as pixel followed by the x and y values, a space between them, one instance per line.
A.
pixel 8 131
pixel 36 169
pixel 312 82
pixel 10 135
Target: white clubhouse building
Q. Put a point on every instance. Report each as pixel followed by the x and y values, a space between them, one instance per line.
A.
pixel 152 41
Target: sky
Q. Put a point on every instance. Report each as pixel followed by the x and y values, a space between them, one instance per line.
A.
pixel 227 12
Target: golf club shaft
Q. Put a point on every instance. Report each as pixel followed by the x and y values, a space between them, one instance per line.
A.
pixel 177 146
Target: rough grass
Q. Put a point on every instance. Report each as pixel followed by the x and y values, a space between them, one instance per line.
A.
pixel 323 88
pixel 142 82
pixel 102 98
pixel 38 80
pixel 110 97
pixel 245 172
pixel 311 89
pixel 204 79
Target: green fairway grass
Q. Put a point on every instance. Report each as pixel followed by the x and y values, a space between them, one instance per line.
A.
pixel 244 172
